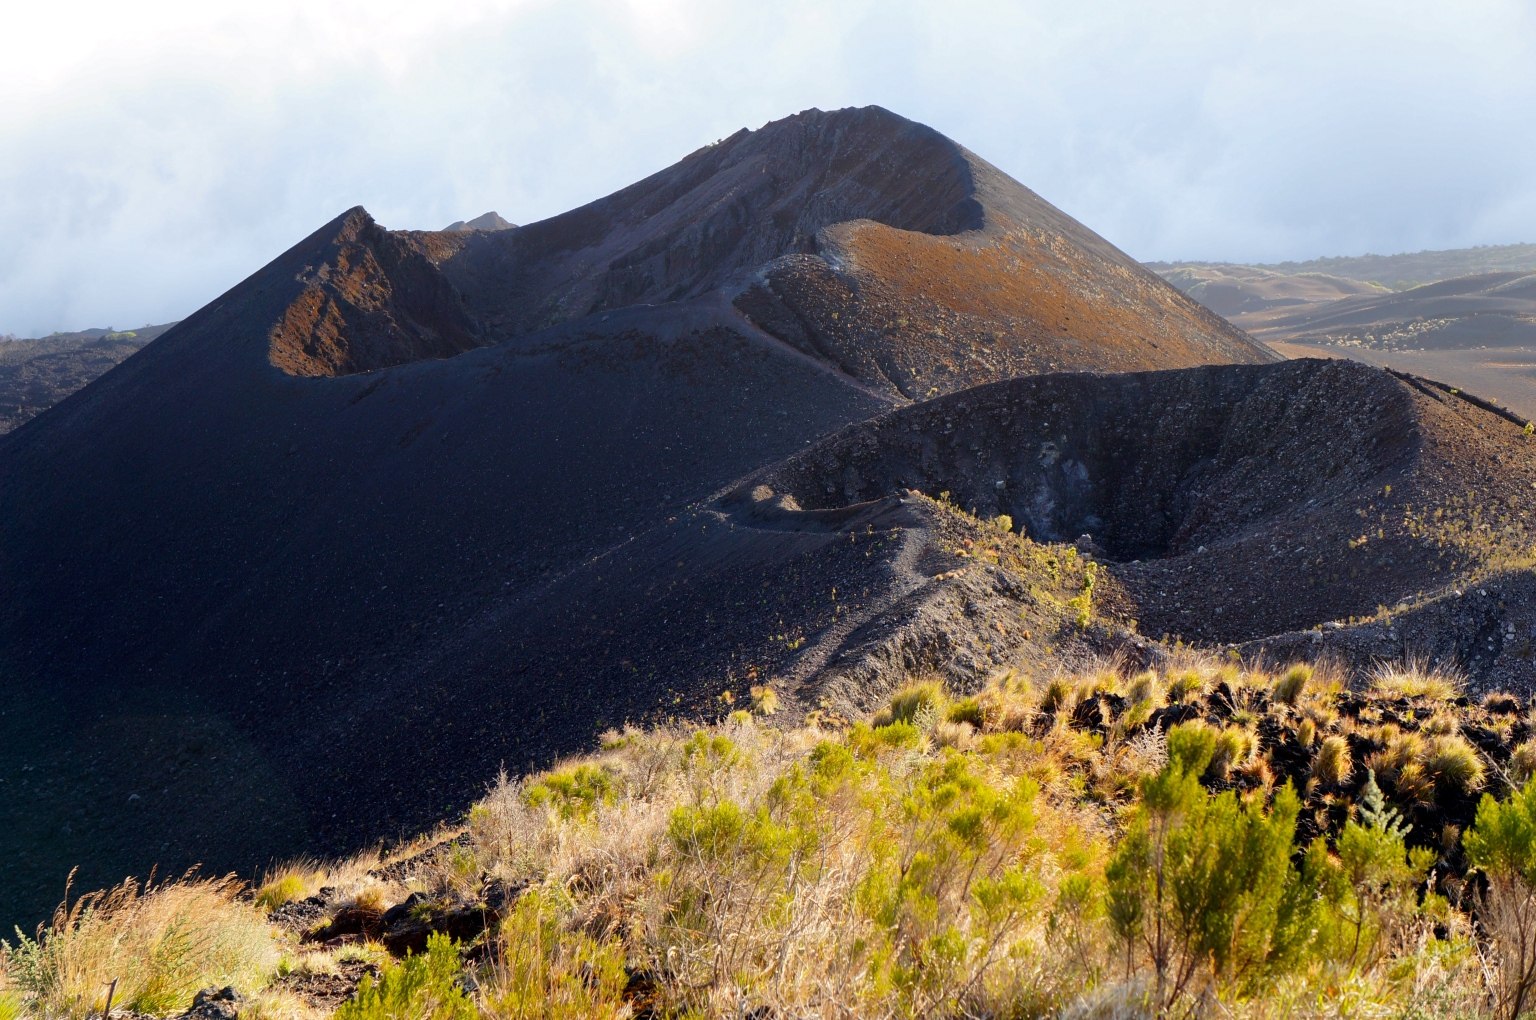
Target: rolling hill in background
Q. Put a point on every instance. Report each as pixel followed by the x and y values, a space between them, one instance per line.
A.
pixel 1466 316
pixel 407 506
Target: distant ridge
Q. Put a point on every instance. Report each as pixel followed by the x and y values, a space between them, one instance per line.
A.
pixel 1391 272
pixel 37 373
pixel 485 221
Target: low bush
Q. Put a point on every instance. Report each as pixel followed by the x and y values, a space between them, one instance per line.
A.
pixel 422 987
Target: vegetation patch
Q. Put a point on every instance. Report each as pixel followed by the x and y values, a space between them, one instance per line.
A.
pixel 1193 839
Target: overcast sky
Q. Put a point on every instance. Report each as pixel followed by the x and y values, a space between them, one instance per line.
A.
pixel 153 154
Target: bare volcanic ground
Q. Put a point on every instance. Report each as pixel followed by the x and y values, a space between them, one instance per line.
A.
pixel 1506 375
pixel 36 374
pixel 1473 324
pixel 1495 310
pixel 861 238
pixel 1235 290
pixel 1228 504
pixel 1476 333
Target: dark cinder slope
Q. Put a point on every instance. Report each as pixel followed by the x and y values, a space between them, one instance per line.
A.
pixel 865 240
pixel 404 506
pixel 1226 503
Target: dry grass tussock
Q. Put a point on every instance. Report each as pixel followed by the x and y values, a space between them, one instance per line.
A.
pixel 160 943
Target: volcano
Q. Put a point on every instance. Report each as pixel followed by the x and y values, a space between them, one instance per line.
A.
pixel 405 506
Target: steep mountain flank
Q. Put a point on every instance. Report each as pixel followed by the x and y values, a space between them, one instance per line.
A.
pixel 406 505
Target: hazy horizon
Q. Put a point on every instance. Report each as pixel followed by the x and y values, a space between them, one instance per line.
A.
pixel 162 153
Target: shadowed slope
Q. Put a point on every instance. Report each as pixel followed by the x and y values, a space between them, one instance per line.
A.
pixel 404 505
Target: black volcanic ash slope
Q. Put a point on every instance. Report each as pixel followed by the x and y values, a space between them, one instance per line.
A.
pixel 404 506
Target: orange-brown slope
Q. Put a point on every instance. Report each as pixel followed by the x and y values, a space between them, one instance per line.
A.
pixel 1025 290
pixel 370 300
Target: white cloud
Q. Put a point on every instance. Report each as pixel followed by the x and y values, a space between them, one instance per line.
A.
pixel 157 153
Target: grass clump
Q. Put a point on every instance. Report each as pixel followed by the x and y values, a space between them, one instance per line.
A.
pixel 288 882
pixel 162 944
pixel 765 700
pixel 1333 763
pixel 1522 763
pixel 1289 688
pixel 1415 680
pixel 924 701
pixel 1061 695
pixel 1187 684
pixel 1233 748
pixel 1455 765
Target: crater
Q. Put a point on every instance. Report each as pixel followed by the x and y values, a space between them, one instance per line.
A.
pixel 1148 465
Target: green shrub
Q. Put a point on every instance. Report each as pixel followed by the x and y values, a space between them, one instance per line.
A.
pixel 422 987
pixel 1502 845
pixel 868 741
pixel 1203 888
pixel 572 792
pixel 1380 877
pixel 546 970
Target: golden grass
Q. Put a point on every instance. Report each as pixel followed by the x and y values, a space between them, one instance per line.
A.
pixel 161 944
pixel 1291 684
pixel 287 882
pixel 1416 679
pixel 1332 764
